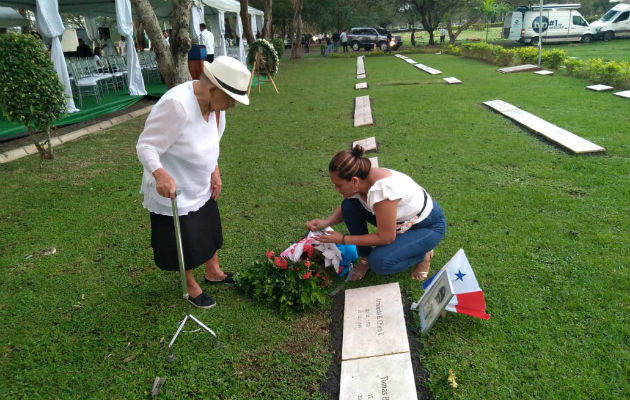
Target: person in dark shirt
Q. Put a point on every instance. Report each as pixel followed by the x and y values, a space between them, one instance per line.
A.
pixel 335 39
pixel 83 50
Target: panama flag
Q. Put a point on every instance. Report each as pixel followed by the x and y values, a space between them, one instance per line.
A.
pixel 468 297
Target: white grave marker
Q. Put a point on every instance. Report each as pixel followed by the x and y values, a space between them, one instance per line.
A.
pixel 599 88
pixel 625 94
pixel 378 378
pixel 428 69
pixel 544 72
pixel 519 68
pixel 362 85
pixel 452 80
pixel 362 111
pixel 374 161
pixel 562 137
pixel 373 322
pixel 368 144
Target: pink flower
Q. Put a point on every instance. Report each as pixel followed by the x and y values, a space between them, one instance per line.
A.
pixel 317 275
pixel 269 254
pixel 307 275
pixel 308 250
pixel 307 264
pixel 281 263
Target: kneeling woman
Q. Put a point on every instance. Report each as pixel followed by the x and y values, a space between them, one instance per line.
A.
pixel 409 223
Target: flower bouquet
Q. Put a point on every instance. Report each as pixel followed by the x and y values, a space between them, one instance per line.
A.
pixel 290 285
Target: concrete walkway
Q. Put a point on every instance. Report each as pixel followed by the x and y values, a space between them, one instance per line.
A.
pixel 59 140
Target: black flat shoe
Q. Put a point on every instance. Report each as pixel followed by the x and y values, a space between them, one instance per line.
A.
pixel 202 301
pixel 228 279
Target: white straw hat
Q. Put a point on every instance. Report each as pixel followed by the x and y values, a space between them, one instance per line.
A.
pixel 229 75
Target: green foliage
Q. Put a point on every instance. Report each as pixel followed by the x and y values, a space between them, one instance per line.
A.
pixel 291 286
pixel 278 44
pixel 526 55
pixel 31 93
pixel 553 58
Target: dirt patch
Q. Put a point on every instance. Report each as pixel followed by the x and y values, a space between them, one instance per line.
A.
pixel 331 386
pixel 12 144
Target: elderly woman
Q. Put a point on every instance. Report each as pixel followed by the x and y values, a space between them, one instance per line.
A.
pixel 409 223
pixel 179 149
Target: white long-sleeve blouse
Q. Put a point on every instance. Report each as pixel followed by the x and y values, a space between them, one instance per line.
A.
pixel 178 139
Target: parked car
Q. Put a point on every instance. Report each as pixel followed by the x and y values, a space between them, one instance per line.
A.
pixel 367 38
pixel 615 23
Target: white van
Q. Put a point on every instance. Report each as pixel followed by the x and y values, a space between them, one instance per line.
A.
pixel 560 23
pixel 615 23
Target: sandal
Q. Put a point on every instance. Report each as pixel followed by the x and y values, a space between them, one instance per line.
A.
pixel 422 275
pixel 360 270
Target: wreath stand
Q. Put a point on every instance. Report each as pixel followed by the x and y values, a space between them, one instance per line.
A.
pixel 258 61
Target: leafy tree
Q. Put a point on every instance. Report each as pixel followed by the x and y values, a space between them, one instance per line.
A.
pixel 432 12
pixel 491 8
pixel 31 93
pixel 172 60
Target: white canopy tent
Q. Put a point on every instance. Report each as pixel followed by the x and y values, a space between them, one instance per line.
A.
pixel 50 25
pixel 10 18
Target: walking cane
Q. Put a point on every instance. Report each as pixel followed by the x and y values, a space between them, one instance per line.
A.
pixel 182 273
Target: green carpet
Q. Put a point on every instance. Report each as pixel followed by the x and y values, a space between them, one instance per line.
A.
pixel 89 110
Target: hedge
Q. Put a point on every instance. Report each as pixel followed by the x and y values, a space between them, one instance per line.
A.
pixel 595 70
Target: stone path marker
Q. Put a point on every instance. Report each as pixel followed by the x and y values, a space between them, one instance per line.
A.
pixel 549 131
pixel 519 68
pixel 362 85
pixel 410 61
pixel 599 88
pixel 368 144
pixel 625 94
pixel 360 67
pixel 428 69
pixel 374 161
pixel 401 56
pixel 373 322
pixel 376 363
pixel 544 72
pixel 377 378
pixel 452 80
pixel 362 111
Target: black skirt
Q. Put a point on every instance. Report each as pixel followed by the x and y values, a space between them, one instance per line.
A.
pixel 201 237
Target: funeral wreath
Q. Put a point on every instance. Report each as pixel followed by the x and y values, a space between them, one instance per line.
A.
pixel 268 56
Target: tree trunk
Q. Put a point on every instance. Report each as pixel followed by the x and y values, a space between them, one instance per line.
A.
pixel 452 36
pixel 247 26
pixel 296 29
pixel 267 33
pixel 172 61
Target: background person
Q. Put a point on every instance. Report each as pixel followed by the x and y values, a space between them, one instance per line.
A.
pixel 442 35
pixel 206 40
pixel 179 148
pixel 343 37
pixel 409 223
pixel 83 50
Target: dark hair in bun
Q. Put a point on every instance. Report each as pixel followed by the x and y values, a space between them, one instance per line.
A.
pixel 348 164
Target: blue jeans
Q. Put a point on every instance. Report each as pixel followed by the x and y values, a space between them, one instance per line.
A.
pixel 407 249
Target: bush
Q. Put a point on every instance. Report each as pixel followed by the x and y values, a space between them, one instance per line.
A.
pixel 526 55
pixel 278 44
pixel 31 93
pixel 291 286
pixel 553 58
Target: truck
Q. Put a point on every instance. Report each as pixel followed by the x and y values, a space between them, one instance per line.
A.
pixel 615 23
pixel 560 23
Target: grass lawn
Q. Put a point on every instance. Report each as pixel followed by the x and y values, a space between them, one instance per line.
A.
pixel 546 233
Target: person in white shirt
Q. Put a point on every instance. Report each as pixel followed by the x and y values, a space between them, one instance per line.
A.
pixel 107 46
pixel 206 40
pixel 167 37
pixel 179 150
pixel 409 223
pixel 442 35
pixel 344 40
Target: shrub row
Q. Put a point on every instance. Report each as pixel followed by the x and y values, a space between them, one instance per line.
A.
pixel 595 70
